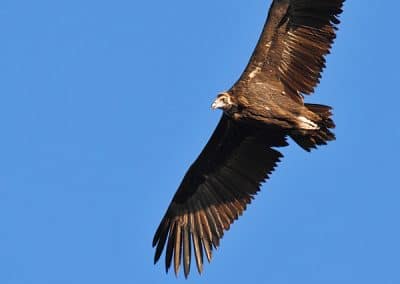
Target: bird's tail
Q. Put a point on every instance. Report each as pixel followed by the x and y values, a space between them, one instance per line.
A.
pixel 309 139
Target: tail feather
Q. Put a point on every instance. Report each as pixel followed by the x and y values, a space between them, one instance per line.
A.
pixel 311 139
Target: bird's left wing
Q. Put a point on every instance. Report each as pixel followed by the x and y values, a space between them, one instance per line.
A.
pixel 214 192
pixel 292 47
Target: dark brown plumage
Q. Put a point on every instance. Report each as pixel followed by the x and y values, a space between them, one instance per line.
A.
pixel 262 108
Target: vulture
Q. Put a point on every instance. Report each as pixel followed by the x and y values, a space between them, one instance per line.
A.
pixel 263 108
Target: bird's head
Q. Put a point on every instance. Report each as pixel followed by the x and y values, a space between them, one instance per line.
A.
pixel 223 101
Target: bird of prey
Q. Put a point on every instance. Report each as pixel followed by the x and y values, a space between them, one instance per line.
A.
pixel 262 109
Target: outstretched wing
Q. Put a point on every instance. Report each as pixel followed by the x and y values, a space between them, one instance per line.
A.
pixel 214 192
pixel 296 37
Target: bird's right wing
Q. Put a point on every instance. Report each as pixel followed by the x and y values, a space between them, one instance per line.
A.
pixel 214 192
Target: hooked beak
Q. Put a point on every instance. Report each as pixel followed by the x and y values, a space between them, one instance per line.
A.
pixel 217 104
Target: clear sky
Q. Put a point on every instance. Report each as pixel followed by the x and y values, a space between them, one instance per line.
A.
pixel 104 104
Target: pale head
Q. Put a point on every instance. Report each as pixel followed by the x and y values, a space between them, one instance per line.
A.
pixel 223 101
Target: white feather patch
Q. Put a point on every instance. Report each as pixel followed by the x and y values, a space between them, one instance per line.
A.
pixel 305 123
pixel 254 72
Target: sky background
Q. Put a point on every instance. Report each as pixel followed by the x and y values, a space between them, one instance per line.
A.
pixel 104 105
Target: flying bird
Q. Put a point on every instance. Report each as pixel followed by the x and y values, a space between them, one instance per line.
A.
pixel 263 108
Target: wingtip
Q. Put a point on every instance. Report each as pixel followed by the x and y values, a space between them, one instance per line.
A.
pixel 176 270
pixel 154 243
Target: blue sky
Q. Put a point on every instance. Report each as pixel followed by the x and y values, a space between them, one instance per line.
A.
pixel 104 104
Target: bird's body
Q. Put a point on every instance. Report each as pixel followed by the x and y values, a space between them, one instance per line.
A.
pixel 273 108
pixel 260 111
